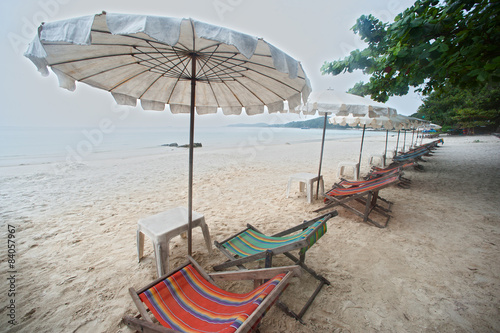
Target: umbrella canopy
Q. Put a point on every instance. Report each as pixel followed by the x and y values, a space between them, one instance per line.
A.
pixel 365 121
pixel 343 104
pixel 190 65
pixel 400 122
pixel 340 103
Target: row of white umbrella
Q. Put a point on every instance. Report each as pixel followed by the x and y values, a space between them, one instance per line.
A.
pixel 350 110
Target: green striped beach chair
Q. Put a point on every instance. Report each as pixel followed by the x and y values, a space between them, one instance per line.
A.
pixel 188 300
pixel 250 245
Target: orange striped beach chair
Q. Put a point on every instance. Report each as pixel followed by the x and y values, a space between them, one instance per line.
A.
pixel 347 194
pixel 250 245
pixel 187 300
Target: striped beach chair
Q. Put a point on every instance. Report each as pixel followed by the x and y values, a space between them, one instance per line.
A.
pixel 365 192
pixel 187 300
pixel 250 245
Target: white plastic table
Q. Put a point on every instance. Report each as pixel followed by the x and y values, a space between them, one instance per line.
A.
pixel 343 166
pixel 377 160
pixel 164 226
pixel 308 180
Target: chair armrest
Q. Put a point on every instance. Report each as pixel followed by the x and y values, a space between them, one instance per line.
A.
pixel 255 274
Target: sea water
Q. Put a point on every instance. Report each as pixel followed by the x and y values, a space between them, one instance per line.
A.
pixel 33 145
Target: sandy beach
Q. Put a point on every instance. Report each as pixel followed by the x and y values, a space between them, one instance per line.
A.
pixel 435 268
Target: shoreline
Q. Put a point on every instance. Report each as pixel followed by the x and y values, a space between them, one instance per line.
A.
pixel 430 269
pixel 77 145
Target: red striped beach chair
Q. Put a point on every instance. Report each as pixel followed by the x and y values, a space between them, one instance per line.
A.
pixel 187 300
pixel 366 193
pixel 379 172
pixel 354 183
pixel 250 245
pixel 395 168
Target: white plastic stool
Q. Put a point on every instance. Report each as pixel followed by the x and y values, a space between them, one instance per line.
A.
pixel 164 226
pixel 341 170
pixel 377 160
pixel 307 179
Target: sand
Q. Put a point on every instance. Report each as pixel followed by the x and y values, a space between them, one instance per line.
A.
pixel 435 268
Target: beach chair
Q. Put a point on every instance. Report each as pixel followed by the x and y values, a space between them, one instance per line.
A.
pixel 377 172
pixel 394 168
pixel 415 154
pixel 366 193
pixel 250 245
pixel 187 300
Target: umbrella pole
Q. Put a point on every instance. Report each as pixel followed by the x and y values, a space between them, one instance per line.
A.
pixel 397 144
pixel 404 140
pixel 321 155
pixel 385 151
pixel 361 149
pixel 191 155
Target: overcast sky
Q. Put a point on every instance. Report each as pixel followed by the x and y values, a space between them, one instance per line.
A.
pixel 311 31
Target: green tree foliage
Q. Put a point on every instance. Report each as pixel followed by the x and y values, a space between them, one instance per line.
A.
pixel 429 46
pixel 456 108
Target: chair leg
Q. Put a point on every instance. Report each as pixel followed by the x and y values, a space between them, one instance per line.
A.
pixel 283 307
pixel 311 299
pixel 368 206
pixel 322 282
pixel 206 236
pixel 269 259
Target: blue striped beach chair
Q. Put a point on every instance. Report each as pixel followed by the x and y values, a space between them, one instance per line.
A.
pixel 250 245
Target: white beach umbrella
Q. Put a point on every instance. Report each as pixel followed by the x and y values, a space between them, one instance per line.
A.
pixel 191 66
pixel 426 126
pixel 340 103
pixel 365 121
pixel 400 122
pixel 415 124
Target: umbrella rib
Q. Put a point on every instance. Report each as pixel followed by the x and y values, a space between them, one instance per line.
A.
pixel 274 79
pixel 204 63
pixel 224 82
pixel 103 71
pixel 177 81
pixel 160 76
pixel 250 91
pixel 128 79
pixel 174 49
pixel 139 61
pixel 235 96
pixel 149 69
pixel 174 67
pixel 152 83
pixel 259 73
pixel 268 89
pixel 222 68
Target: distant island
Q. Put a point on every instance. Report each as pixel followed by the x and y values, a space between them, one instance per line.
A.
pixel 311 123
